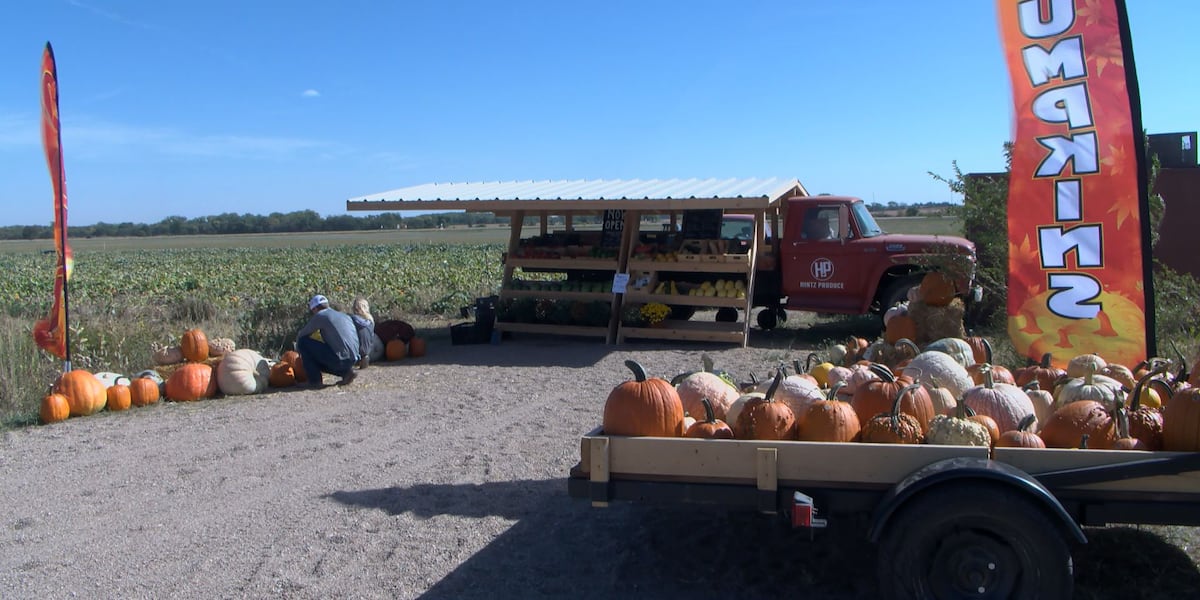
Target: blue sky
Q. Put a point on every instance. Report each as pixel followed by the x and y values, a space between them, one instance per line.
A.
pixel 257 106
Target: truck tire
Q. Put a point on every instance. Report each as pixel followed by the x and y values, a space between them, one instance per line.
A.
pixel 767 319
pixel 681 313
pixel 897 292
pixel 974 540
pixel 727 315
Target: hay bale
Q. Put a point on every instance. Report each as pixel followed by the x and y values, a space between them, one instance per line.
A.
pixel 937 322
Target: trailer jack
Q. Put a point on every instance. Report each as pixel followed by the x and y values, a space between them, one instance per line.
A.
pixel 804 514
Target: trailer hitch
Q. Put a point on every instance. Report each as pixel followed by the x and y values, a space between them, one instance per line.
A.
pixel 804 514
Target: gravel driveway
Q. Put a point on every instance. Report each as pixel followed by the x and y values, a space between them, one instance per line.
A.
pixel 438 477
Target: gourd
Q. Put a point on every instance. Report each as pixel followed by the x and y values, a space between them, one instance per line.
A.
pixel 936 289
pixel 84 392
pixel 243 372
pixel 117 397
pixel 221 346
pixel 645 406
pixel 143 391
pixel 711 427
pixel 830 420
pixel 693 387
pixel 820 371
pixel 1005 403
pixel 895 426
pixel 194 345
pixel 54 408
pixel 957 430
pixel 931 366
pixel 416 347
pixel 765 418
pixel 396 349
pixel 190 382
pixel 1021 437
pixel 1072 421
pixel 876 397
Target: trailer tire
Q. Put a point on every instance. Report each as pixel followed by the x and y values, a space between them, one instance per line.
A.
pixel 976 540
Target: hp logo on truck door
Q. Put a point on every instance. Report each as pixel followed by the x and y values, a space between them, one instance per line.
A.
pixel 821 269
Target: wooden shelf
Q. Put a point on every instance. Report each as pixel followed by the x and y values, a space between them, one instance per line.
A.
pixel 684 300
pixel 603 297
pixel 733 333
pixel 565 264
pixel 553 329
pixel 689 267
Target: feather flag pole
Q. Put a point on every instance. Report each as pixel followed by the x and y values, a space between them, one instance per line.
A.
pixel 52 333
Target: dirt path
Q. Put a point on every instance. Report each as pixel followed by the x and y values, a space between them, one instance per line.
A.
pixel 440 477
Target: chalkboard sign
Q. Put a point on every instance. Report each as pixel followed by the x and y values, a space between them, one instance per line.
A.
pixel 614 226
pixel 702 224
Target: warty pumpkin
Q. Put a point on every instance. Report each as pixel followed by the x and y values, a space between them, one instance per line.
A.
pixel 194 345
pixel 118 397
pixel 192 381
pixel 54 408
pixel 1144 422
pixel 764 418
pixel 84 392
pixel 1071 422
pixel 895 426
pixel 957 430
pixel 645 406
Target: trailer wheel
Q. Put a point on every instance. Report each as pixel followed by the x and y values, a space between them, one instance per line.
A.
pixel 974 541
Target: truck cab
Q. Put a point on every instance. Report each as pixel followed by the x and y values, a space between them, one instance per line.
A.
pixel 833 257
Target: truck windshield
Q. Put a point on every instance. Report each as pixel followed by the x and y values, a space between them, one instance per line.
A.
pixel 866 223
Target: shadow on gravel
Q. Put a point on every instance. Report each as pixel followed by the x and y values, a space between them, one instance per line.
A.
pixel 561 547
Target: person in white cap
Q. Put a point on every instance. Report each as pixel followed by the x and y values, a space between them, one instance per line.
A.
pixel 336 351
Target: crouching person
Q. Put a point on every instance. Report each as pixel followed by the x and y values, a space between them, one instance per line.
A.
pixel 334 349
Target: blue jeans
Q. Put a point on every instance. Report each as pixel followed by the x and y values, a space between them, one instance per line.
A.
pixel 318 359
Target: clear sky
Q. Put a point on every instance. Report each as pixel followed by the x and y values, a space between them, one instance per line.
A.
pixel 181 107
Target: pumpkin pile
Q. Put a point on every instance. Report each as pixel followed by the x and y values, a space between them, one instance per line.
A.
pixel 947 393
pixel 196 369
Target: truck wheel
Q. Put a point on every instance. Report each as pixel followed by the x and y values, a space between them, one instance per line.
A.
pixel 973 540
pixel 897 293
pixel 767 319
pixel 727 315
pixel 682 313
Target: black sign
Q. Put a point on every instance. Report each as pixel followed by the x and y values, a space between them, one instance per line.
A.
pixel 702 224
pixel 614 226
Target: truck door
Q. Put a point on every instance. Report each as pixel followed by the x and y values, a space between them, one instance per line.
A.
pixel 819 257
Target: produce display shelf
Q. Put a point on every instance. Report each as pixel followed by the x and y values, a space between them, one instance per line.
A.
pixel 686 300
pixel 565 264
pixel 578 330
pixel 697 331
pixel 601 296
pixel 688 267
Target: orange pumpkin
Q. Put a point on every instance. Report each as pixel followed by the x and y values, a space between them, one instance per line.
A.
pixel 396 350
pixel 894 426
pixel 1021 437
pixel 84 392
pixel 143 391
pixel 830 420
pixel 1181 421
pixel 643 406
pixel 192 381
pixel 936 289
pixel 711 427
pixel 1073 421
pixel 119 397
pixel 416 347
pixel 876 397
pixel 194 345
pixel 54 408
pixel 282 375
pixel 292 357
pixel 900 327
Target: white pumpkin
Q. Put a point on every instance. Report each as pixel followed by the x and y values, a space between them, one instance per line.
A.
pixel 243 372
pixel 377 349
pixel 798 393
pixel 895 311
pixel 955 347
pixel 703 384
pixel 110 379
pixel 933 368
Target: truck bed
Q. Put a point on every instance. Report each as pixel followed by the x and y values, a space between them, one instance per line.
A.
pixel 1094 486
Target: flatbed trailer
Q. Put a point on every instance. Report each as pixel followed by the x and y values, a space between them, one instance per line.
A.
pixel 955 521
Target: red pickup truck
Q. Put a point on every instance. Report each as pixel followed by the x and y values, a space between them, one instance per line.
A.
pixel 833 257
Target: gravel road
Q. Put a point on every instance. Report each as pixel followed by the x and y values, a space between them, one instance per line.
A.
pixel 438 477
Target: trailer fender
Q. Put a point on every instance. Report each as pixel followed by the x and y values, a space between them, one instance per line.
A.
pixel 963 470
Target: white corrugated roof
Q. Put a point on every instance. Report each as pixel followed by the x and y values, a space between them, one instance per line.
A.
pixel 772 188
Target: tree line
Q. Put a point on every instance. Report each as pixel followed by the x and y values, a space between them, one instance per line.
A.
pixel 231 223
